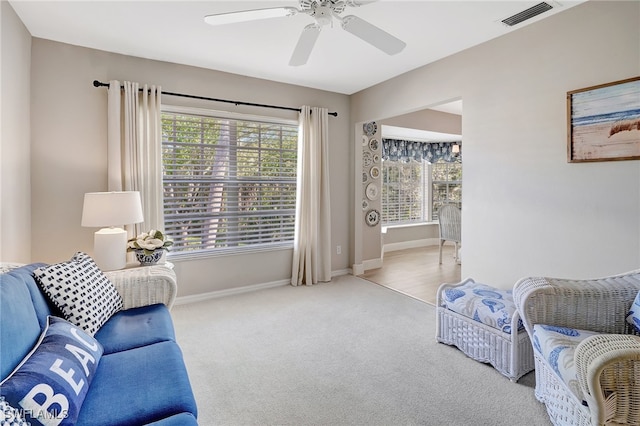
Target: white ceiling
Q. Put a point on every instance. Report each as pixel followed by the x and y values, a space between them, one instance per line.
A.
pixel 393 132
pixel 174 31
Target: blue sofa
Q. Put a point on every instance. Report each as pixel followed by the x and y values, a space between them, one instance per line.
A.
pixel 139 378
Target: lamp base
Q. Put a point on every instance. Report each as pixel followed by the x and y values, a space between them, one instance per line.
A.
pixel 110 248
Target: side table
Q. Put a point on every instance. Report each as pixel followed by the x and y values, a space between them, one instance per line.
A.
pixel 145 285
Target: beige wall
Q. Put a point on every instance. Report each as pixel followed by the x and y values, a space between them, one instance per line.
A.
pixel 15 196
pixel 526 211
pixel 69 152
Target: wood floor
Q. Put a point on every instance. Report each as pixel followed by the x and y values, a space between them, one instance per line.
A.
pixel 416 271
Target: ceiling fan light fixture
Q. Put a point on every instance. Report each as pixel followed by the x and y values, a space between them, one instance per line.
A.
pixel 249 15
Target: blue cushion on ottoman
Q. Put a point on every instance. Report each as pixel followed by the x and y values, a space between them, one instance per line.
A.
pixel 136 327
pixel 485 304
pixel 134 384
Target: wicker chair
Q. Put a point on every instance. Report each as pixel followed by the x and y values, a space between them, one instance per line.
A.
pixel 449 219
pixel 607 365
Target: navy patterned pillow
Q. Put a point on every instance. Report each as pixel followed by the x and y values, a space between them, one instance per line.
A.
pixel 84 295
pixel 51 382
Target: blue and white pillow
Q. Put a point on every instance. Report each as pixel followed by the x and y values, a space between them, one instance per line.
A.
pixel 483 303
pixel 51 382
pixel 84 295
pixel 634 314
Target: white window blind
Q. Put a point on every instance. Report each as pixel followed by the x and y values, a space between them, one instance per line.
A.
pixel 446 181
pixel 403 192
pixel 229 183
pixel 412 192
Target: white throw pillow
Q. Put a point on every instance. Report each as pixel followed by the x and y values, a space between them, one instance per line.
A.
pixel 84 295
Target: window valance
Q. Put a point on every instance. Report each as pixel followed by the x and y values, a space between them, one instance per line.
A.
pixel 402 150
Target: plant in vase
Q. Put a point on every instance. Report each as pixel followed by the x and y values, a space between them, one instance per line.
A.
pixel 149 246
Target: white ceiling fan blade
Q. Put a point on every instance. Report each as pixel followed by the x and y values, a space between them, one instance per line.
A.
pixel 357 3
pixel 373 35
pixel 305 45
pixel 249 15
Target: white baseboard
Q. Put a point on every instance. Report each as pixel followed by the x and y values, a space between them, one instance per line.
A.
pixel 183 300
pixel 361 268
pixel 358 269
pixel 339 272
pixel 410 244
pixel 372 264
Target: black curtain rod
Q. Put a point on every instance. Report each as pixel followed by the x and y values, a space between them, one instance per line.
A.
pixel 97 83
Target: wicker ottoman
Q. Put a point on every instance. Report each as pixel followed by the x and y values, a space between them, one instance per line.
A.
pixel 479 320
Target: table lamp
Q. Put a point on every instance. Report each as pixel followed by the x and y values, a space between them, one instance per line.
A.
pixel 111 210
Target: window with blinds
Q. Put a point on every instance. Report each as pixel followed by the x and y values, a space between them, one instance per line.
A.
pixel 229 183
pixel 413 192
pixel 446 183
pixel 403 192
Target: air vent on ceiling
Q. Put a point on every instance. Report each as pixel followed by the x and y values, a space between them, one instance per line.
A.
pixel 527 14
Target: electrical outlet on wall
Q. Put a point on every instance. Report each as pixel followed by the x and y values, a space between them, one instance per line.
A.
pixel 338 249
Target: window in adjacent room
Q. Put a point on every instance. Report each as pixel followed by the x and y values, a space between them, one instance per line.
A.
pixel 405 192
pixel 229 181
pixel 413 189
pixel 446 184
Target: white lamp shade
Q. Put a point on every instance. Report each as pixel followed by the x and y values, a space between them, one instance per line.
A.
pixel 111 208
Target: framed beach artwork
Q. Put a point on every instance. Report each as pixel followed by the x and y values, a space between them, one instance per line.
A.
pixel 604 122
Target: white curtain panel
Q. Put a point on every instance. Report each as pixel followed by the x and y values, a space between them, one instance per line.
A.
pixel 135 148
pixel 312 242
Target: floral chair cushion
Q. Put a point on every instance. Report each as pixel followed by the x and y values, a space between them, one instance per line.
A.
pixel 634 314
pixel 557 345
pixel 483 303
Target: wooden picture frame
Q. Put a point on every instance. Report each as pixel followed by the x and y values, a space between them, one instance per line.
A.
pixel 604 122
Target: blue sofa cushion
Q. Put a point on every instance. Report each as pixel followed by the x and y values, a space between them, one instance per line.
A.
pixel 43 306
pixel 20 328
pixel 53 380
pixel 147 384
pixel 136 327
pixel 182 419
pixel 634 314
pixel 83 293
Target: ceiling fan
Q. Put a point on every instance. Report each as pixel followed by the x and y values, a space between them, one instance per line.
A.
pixel 324 12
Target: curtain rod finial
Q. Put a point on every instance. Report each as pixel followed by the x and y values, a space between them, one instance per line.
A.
pixel 97 83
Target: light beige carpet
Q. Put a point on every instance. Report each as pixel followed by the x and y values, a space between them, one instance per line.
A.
pixel 348 352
